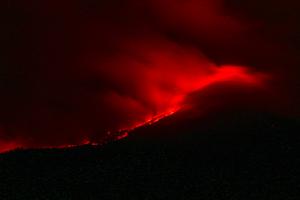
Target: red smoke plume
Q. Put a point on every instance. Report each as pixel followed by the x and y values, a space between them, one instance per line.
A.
pixel 79 71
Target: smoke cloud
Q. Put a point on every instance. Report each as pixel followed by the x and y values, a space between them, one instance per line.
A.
pixel 75 71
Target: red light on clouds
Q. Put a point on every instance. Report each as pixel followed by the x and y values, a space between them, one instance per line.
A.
pixel 173 99
pixel 111 70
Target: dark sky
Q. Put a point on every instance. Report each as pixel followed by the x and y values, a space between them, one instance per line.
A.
pixel 74 70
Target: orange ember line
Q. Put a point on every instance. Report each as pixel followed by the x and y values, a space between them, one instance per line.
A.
pixel 122 133
pixel 153 119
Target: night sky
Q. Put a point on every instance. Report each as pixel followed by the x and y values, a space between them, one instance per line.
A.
pixel 150 99
pixel 75 72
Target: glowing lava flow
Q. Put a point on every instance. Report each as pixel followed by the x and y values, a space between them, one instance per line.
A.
pixel 124 132
pixel 91 77
pixel 225 73
pixel 237 74
pixel 118 135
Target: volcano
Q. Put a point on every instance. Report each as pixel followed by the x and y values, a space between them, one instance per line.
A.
pixel 237 152
pixel 152 99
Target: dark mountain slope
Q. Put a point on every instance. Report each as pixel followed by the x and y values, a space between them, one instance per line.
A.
pixel 231 155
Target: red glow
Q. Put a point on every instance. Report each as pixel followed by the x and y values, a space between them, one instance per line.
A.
pixel 175 98
pixel 225 73
pixel 96 72
pixel 8 146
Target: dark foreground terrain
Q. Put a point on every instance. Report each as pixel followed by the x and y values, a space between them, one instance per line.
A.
pixel 233 156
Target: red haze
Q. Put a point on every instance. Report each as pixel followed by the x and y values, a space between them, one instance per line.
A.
pixel 145 81
pixel 77 71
